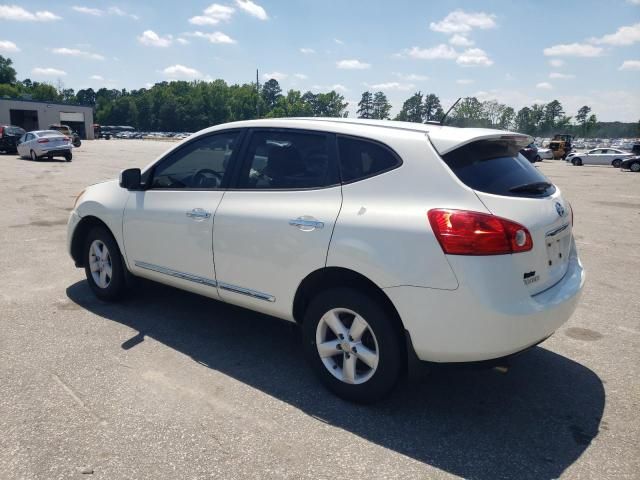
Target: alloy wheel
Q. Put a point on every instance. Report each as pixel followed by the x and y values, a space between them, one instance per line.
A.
pixel 100 264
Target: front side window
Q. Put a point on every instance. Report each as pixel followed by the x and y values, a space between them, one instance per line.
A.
pixel 199 165
pixel 361 159
pixel 281 159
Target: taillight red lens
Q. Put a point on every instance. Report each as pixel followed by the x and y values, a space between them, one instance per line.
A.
pixel 462 232
pixel 43 140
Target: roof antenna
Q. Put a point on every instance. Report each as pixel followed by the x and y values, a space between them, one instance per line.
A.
pixel 444 117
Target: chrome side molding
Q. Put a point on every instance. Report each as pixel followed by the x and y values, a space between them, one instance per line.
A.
pixel 206 281
pixel 557 230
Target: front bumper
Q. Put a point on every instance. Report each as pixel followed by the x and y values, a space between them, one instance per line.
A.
pixel 474 324
pixel 72 223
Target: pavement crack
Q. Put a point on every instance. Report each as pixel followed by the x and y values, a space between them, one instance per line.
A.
pixel 77 399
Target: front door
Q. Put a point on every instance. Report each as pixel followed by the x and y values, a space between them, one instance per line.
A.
pixel 168 227
pixel 274 227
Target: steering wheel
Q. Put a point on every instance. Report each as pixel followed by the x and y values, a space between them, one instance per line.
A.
pixel 202 178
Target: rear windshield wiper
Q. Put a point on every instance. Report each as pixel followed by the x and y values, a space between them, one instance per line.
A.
pixel 535 187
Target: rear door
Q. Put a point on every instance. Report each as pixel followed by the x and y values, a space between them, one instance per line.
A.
pixel 274 227
pixel 512 188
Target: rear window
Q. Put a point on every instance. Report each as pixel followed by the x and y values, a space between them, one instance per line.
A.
pixel 17 131
pixel 49 133
pixel 497 167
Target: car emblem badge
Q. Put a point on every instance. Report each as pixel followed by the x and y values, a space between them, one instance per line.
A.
pixel 560 210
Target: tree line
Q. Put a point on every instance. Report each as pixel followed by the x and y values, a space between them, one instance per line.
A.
pixel 191 106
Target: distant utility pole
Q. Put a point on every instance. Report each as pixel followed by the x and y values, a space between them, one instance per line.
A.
pixel 258 93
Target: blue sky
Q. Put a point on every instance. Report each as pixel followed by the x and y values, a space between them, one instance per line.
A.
pixel 580 52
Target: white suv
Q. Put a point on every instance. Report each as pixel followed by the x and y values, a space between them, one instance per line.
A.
pixel 384 240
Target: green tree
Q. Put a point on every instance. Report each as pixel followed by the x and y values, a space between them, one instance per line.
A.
pixel 271 93
pixel 553 112
pixel 591 123
pixel 7 72
pixel 86 97
pixel 365 106
pixel 412 109
pixel 432 109
pixel 582 116
pixel 381 106
pixel 468 113
pixel 507 118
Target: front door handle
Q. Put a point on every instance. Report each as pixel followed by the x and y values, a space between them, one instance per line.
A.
pixel 306 224
pixel 198 213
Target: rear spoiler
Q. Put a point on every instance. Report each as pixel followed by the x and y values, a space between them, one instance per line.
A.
pixel 447 140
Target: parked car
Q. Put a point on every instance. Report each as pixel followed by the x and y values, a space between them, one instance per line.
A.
pixel 545 153
pixel 635 149
pixel 66 130
pixel 9 136
pixel 530 152
pixel 632 164
pixel 598 156
pixel 383 240
pixel 45 143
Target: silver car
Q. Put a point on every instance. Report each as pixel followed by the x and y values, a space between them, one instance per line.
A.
pixel 45 143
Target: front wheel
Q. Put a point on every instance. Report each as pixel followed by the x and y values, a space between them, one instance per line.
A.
pixel 352 345
pixel 103 265
pixel 577 162
pixel 616 163
pixel 33 155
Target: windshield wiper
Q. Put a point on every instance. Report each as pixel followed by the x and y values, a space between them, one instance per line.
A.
pixel 535 187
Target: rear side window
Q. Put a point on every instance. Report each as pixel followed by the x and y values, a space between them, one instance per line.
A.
pixel 497 167
pixel 362 158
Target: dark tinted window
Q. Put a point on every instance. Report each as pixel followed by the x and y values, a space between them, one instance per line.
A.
pixel 287 159
pixel 496 166
pixel 16 131
pixel 360 158
pixel 200 164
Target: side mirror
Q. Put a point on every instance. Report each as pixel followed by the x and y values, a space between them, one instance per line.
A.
pixel 131 179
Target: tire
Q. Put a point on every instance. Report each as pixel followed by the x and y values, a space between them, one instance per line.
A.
pixel 537 159
pixel 616 163
pixel 77 142
pixel 577 162
pixel 635 167
pixel 96 266
pixel 371 380
pixel 68 156
pixel 33 155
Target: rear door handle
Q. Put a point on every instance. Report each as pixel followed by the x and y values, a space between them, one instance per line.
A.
pixel 198 213
pixel 306 223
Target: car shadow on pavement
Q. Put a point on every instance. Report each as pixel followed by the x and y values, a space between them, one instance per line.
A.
pixel 533 422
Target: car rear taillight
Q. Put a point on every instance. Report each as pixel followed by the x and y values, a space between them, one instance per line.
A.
pixel 461 232
pixel 43 140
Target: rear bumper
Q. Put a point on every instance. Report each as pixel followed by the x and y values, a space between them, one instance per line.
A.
pixel 484 322
pixel 55 152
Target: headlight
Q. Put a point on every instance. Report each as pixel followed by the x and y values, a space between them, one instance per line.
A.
pixel 75 202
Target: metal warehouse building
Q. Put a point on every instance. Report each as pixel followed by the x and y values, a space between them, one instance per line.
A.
pixel 37 115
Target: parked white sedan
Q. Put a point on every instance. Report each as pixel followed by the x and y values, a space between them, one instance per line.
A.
pixel 383 240
pixel 599 156
pixel 45 143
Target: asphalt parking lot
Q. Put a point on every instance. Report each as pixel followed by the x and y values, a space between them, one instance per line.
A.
pixel 169 385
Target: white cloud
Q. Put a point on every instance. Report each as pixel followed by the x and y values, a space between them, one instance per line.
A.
pixel 213 14
pixel 19 14
pixel 252 9
pixel 460 21
pixel 337 87
pixel 412 77
pixel 152 39
pixel 441 51
pixel 75 52
pixel 180 71
pixel 8 46
pixel 573 50
pixel 474 57
pixel 338 41
pixel 401 87
pixel 561 76
pixel 556 62
pixel 352 65
pixel 544 85
pixel 97 77
pixel 300 76
pixel 182 41
pixel 96 12
pixel 464 81
pixel 626 35
pixel 460 41
pixel 634 2
pixel 215 37
pixel 307 51
pixel 48 72
pixel 630 64
pixel 121 13
pixel 279 76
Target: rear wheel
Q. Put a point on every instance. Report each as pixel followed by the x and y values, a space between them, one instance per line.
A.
pixel 537 159
pixel 103 265
pixel 352 345
pixel 68 156
pixel 616 163
pixel 635 167
pixel 33 155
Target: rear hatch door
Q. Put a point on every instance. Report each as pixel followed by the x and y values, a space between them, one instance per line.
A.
pixel 511 187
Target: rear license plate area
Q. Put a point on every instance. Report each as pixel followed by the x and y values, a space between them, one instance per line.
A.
pixel 558 242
